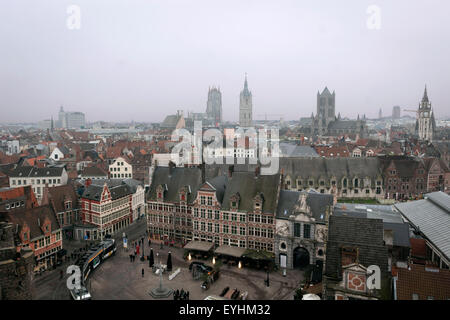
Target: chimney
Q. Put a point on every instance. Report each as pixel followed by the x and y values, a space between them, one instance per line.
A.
pixel 171 166
pixel 257 171
pixel 203 168
pixel 230 171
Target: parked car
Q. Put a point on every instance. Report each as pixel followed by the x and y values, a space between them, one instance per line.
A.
pixel 230 293
pixel 194 263
pixel 80 294
pixel 224 291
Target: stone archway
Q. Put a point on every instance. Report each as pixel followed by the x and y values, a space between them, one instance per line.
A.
pixel 300 257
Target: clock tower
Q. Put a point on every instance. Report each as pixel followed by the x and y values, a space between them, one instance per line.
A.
pixel 425 125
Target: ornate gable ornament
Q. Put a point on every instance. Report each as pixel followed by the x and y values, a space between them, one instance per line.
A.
pixel 258 202
pixel 160 192
pixel 184 193
pixel 234 200
pixel 302 205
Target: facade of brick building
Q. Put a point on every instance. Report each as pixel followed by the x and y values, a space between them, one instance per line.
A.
pixel 108 207
pixel 404 177
pixel 235 210
pixel 36 229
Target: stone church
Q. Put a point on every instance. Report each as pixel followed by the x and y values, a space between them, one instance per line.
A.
pixel 245 106
pixel 425 124
pixel 325 122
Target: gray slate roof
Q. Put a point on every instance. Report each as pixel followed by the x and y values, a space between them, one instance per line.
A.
pixel 175 180
pixel 25 172
pixel 248 187
pixel 365 234
pixel 392 220
pixel 432 216
pixel 289 200
pixel 293 150
pixel 329 167
pixel 94 192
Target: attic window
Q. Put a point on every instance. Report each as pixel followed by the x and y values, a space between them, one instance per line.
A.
pixel 46 228
pixel 25 236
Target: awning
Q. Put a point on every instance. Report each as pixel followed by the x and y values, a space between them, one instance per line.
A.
pixel 230 251
pixel 199 245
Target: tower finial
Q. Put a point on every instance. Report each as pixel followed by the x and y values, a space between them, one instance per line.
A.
pixel 425 94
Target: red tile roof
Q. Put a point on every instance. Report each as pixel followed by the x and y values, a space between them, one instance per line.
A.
pixel 423 281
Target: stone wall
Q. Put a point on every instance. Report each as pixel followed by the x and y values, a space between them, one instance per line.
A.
pixel 15 268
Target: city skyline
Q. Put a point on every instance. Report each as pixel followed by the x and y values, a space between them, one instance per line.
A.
pixel 156 58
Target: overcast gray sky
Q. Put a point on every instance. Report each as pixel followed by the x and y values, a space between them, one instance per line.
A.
pixel 141 60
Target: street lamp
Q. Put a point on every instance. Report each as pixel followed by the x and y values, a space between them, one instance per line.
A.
pixel 214 260
pixel 189 257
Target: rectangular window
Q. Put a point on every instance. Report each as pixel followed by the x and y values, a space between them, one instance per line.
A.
pixel 297 230
pixel 306 231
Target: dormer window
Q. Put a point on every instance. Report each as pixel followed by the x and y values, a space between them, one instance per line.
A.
pixel 68 204
pixel 47 229
pixel 25 236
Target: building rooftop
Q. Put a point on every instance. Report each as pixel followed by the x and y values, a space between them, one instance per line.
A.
pixel 430 216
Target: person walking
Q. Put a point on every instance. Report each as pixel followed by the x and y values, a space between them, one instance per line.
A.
pixel 142 272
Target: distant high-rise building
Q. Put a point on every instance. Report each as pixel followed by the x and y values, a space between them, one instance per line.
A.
pixel 380 114
pixel 245 106
pixel 425 124
pixel 71 120
pixel 396 112
pixel 214 105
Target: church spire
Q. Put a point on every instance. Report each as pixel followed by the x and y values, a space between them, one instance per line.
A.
pixel 245 83
pixel 425 95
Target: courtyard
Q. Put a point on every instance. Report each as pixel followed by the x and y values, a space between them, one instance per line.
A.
pixel 118 278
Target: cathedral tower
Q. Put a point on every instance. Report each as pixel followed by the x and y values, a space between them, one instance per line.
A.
pixel 245 106
pixel 214 105
pixel 425 125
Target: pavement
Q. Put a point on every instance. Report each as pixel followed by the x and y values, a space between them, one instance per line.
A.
pixel 49 286
pixel 119 279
